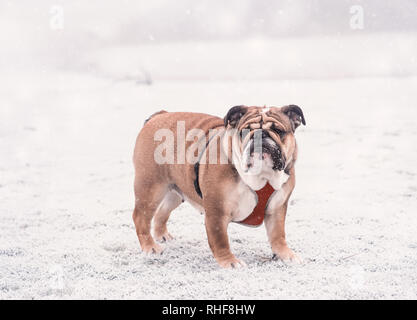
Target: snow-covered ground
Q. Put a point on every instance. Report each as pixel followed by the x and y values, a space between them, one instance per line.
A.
pixel 66 199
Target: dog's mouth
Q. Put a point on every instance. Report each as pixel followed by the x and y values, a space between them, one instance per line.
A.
pixel 262 149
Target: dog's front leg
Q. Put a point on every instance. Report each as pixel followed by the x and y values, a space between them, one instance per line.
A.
pixel 275 223
pixel 216 227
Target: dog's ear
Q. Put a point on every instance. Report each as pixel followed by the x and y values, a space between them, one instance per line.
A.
pixel 295 114
pixel 234 115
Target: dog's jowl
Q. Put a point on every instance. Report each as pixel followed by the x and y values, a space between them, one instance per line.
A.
pixel 236 169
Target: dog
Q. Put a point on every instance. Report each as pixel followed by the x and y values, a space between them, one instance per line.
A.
pixel 236 169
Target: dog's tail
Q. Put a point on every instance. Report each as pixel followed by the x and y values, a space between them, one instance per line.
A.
pixel 153 115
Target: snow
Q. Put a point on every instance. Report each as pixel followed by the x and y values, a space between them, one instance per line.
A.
pixel 69 118
pixel 66 193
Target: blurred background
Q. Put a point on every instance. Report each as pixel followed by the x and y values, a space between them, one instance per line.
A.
pixel 201 40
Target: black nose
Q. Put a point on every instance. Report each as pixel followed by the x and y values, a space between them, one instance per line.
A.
pixel 265 134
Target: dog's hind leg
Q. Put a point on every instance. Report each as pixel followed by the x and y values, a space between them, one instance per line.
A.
pixel 148 197
pixel 171 201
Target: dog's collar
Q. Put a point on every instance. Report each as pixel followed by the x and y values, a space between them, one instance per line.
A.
pixel 196 180
pixel 197 169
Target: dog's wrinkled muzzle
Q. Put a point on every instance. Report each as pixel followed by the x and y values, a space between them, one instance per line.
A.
pixel 261 147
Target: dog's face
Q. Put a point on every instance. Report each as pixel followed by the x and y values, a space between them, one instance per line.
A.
pixel 264 136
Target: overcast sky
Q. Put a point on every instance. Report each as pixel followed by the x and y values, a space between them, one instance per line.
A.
pixel 27 26
pixel 141 21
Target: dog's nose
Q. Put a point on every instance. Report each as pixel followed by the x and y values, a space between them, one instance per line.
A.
pixel 264 134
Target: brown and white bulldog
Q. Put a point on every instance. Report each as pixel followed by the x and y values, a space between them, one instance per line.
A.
pixel 236 169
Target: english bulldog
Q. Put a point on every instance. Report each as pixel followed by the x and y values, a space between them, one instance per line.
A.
pixel 237 169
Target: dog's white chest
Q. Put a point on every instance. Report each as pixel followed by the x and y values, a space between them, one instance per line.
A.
pixel 244 201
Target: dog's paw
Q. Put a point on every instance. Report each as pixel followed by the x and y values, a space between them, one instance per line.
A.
pixel 287 256
pixel 152 249
pixel 231 263
pixel 164 237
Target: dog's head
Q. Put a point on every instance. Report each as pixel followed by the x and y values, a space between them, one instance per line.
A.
pixel 264 135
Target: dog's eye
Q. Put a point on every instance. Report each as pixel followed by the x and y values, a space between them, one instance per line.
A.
pixel 278 132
